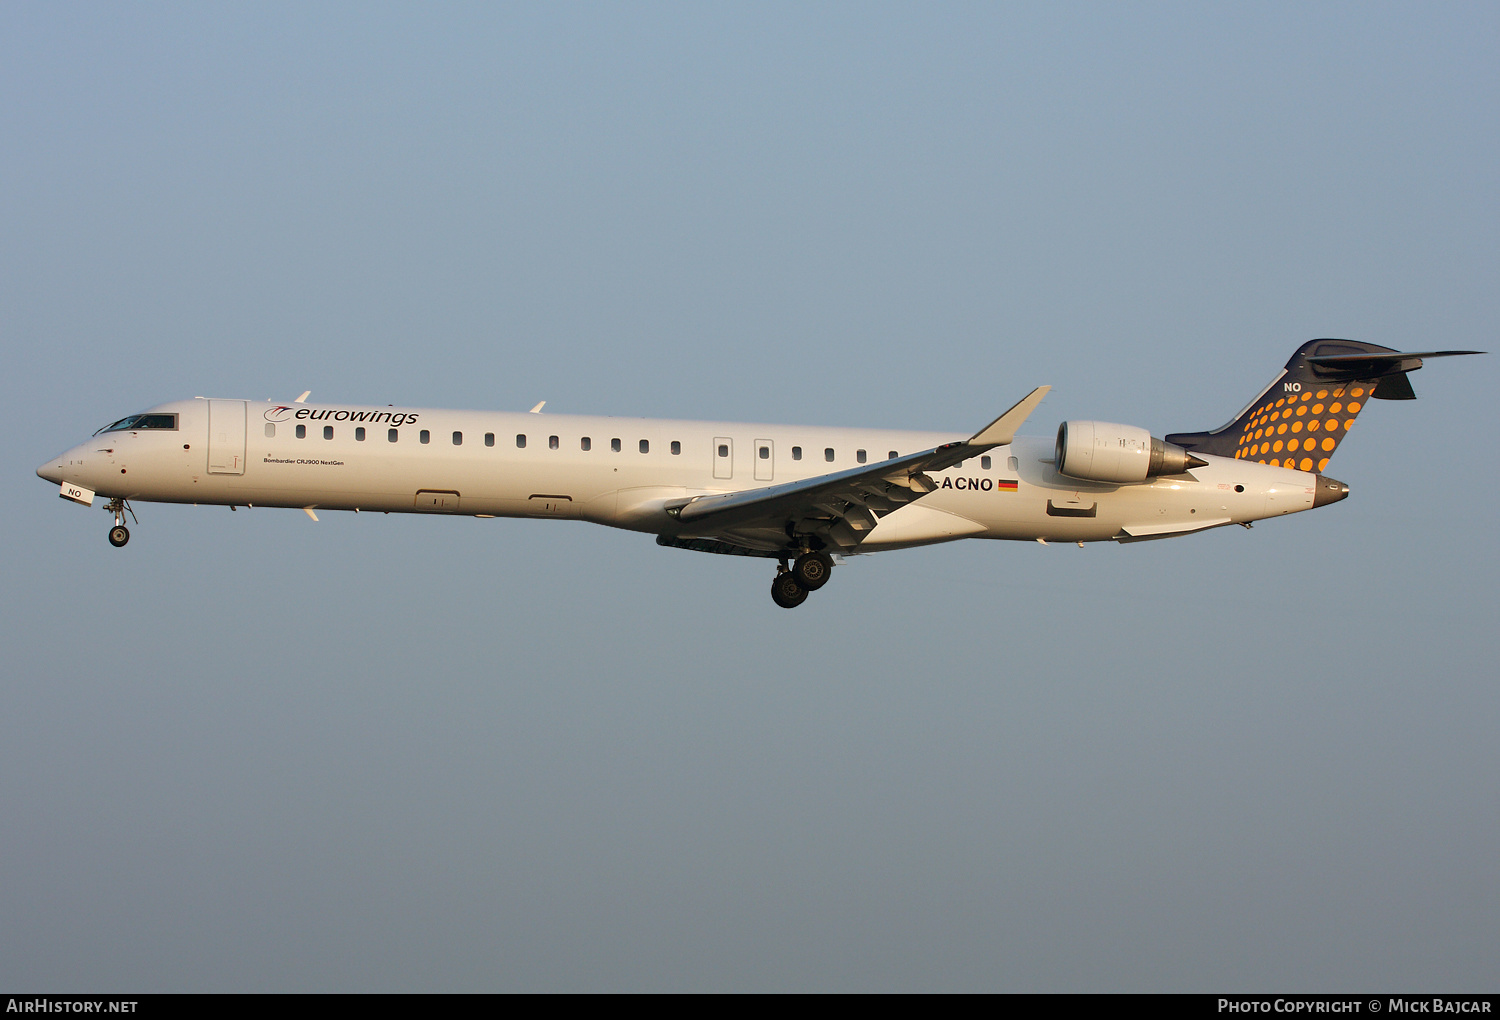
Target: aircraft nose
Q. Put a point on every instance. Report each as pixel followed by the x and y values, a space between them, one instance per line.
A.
pixel 1329 490
pixel 51 471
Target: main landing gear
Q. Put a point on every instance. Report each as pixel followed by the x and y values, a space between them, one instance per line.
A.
pixel 119 534
pixel 808 573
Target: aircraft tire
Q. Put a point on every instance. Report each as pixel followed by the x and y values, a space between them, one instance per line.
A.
pixel 786 592
pixel 119 535
pixel 812 570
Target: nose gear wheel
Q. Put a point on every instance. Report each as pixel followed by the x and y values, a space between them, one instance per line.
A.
pixel 119 534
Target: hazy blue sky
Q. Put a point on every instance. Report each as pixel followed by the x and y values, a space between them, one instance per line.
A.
pixel 250 752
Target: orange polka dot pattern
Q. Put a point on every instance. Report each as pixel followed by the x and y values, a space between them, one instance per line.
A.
pixel 1301 430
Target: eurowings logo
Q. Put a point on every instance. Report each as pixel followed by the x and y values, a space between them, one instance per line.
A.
pixel 282 412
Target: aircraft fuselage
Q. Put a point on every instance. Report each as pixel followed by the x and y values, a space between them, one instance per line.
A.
pixel 623 472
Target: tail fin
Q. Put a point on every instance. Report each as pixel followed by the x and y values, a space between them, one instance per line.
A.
pixel 1299 420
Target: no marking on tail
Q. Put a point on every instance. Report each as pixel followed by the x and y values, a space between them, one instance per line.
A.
pixel 1299 420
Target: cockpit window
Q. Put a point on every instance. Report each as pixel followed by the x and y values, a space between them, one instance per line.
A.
pixel 142 421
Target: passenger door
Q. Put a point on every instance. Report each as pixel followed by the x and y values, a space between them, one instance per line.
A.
pixel 226 437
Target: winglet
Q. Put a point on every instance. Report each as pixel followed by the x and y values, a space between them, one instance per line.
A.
pixel 303 399
pixel 538 408
pixel 1003 429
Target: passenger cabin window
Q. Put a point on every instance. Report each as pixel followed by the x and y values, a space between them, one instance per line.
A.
pixel 138 422
pixel 551 442
pixel 984 462
pixel 359 434
pixel 301 431
pixel 645 446
pixel 520 441
pixel 585 444
pixel 765 453
pixel 489 439
pixel 796 453
pixel 270 430
pixel 327 431
pixel 892 455
pixel 424 436
pixel 723 449
pixel 392 435
pixel 614 444
pixel 859 455
pixel 458 439
pixel 676 448
pixel 1012 463
pixel 828 455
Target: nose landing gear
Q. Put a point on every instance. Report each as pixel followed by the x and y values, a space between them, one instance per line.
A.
pixel 119 534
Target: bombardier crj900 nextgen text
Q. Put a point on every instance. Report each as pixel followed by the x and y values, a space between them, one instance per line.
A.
pixel 791 494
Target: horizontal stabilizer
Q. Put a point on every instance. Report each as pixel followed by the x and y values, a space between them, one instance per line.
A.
pixel 1346 360
pixel 1386 368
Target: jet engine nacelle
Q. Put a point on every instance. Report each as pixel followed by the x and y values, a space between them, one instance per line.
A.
pixel 1102 451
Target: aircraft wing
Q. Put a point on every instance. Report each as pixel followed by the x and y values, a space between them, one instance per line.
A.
pixel 843 505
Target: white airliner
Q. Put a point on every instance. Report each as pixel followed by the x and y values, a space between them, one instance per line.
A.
pixel 797 495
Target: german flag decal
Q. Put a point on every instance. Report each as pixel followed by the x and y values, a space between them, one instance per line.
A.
pixel 1006 484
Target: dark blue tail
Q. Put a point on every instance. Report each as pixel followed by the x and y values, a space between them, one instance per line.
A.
pixel 1299 420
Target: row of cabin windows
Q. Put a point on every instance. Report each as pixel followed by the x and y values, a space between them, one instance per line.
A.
pixel 860 456
pixel 586 444
pixel 828 454
pixel 425 436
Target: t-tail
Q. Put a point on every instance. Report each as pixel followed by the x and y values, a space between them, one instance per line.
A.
pixel 1299 420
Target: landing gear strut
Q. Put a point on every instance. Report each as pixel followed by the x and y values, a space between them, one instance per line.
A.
pixel 119 534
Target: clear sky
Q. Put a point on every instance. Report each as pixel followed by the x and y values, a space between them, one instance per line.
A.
pixel 250 752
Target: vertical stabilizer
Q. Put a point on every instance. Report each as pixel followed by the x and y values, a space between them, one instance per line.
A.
pixel 1299 420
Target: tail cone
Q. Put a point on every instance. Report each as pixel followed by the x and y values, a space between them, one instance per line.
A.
pixel 1329 490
